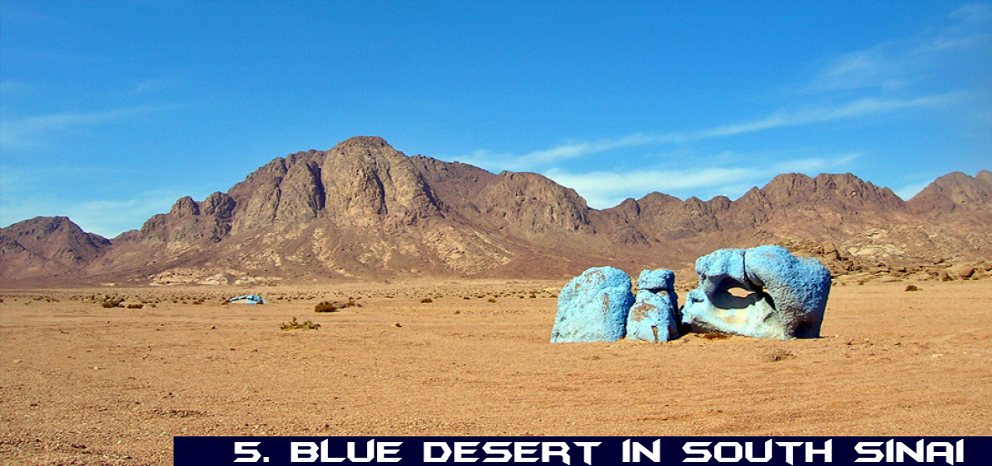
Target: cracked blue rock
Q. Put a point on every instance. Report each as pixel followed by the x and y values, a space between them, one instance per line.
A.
pixel 593 307
pixel 762 292
pixel 653 317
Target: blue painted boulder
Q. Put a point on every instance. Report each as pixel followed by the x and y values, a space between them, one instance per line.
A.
pixel 593 307
pixel 762 292
pixel 653 317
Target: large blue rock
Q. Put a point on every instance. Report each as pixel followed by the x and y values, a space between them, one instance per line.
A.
pixel 656 280
pixel 763 292
pixel 653 317
pixel 593 307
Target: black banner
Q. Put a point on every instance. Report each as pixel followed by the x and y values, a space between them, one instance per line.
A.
pixel 578 451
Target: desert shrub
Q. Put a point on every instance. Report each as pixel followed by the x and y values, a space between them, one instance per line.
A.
pixel 912 288
pixel 333 306
pixel 135 306
pixel 295 325
pixel 426 300
pixel 777 355
pixel 532 296
pixel 112 303
pixel 492 300
pixel 325 306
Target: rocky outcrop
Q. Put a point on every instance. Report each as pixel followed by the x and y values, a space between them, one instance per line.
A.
pixel 284 190
pixel 188 222
pixel 365 209
pixel 56 239
pixel 781 296
pixel 47 247
pixel 367 181
pixel 531 204
pixel 778 296
pixel 593 307
pixel 954 192
pixel 360 182
pixel 654 315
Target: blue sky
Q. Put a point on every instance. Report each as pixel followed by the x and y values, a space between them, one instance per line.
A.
pixel 110 111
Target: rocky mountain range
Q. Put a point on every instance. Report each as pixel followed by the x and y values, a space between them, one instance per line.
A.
pixel 363 209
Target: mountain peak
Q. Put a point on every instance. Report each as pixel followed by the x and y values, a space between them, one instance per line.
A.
pixel 955 191
pixel 364 209
pixel 185 207
pixel 828 190
pixel 364 141
pixel 51 244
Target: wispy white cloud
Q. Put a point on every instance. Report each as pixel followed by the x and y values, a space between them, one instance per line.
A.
pixel 604 189
pixel 897 65
pixel 12 88
pixel 579 149
pixel 32 131
pixel 973 14
pixel 877 66
pixel 866 84
pixel 111 217
pixel 16 181
pixel 108 214
pixel 156 85
pixel 543 158
pixel 861 108
pixel 105 217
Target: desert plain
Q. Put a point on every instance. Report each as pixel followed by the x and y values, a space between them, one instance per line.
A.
pixel 85 384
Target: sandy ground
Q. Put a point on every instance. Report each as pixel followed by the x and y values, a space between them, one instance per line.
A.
pixel 82 384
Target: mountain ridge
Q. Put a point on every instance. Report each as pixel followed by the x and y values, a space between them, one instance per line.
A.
pixel 364 209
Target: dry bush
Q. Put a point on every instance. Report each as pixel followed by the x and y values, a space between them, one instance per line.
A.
pixel 325 306
pixel 294 325
pixel 777 355
pixel 426 300
pixel 334 306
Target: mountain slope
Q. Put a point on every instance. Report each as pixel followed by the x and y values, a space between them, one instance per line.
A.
pixel 364 209
pixel 47 247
